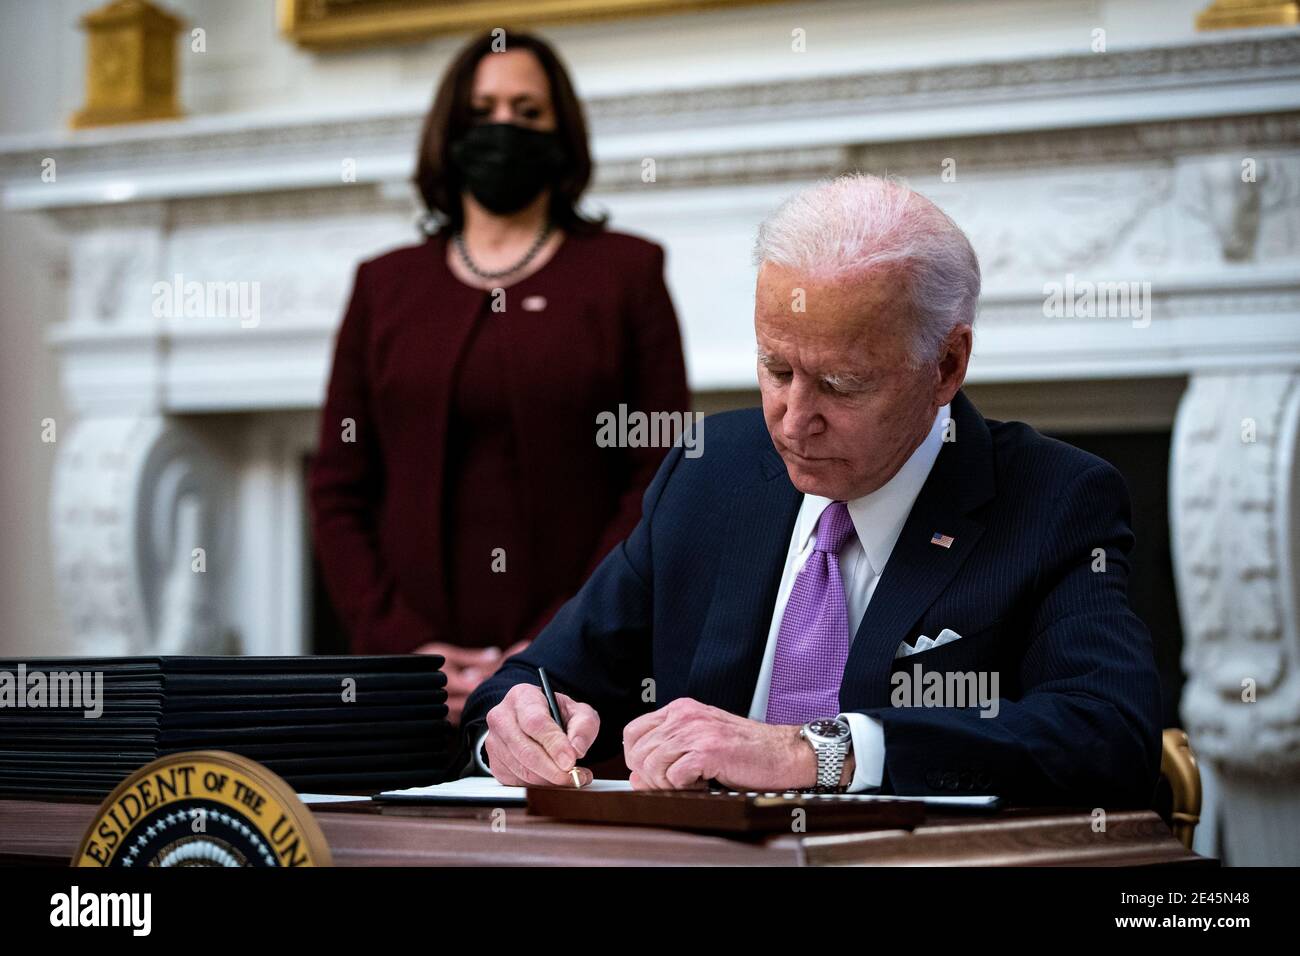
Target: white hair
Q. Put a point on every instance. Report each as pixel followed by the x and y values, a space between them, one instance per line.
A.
pixel 851 225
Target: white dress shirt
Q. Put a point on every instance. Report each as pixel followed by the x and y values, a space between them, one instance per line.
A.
pixel 878 519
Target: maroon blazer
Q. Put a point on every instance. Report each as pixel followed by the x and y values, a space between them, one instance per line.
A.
pixel 608 335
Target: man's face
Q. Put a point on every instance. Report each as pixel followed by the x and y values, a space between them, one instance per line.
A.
pixel 844 408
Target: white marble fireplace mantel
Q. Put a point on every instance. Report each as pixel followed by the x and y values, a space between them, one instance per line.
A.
pixel 1125 166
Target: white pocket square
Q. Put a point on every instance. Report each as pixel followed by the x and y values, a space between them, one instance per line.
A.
pixel 923 643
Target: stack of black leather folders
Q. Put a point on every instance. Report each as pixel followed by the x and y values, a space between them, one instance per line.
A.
pixel 78 726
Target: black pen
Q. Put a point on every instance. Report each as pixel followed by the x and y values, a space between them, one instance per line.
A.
pixel 556 715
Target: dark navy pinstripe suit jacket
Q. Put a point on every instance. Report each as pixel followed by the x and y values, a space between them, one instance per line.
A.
pixel 687 600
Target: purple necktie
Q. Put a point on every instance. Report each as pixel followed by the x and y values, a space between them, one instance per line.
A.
pixel 812 644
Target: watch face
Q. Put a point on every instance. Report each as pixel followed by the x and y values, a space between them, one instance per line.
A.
pixel 826 727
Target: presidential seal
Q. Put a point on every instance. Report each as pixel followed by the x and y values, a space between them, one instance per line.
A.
pixel 203 808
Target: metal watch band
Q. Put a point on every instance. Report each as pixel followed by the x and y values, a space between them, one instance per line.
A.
pixel 830 764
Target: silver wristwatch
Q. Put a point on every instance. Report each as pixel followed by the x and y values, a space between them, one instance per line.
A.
pixel 831 739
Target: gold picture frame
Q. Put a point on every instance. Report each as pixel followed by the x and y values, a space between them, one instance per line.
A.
pixel 343 24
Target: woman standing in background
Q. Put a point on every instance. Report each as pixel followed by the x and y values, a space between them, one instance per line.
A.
pixel 458 495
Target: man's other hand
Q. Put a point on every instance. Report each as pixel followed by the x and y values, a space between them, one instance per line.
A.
pixel 685 744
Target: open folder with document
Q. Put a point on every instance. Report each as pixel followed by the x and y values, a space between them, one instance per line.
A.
pixel 486 790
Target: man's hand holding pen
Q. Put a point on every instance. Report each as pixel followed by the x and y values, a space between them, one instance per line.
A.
pixel 525 746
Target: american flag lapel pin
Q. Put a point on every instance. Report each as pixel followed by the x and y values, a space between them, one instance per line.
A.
pixel 942 540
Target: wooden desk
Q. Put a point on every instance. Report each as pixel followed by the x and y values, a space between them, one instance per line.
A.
pixel 370 834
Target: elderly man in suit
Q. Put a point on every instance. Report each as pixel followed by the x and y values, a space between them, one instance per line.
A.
pixel 814 602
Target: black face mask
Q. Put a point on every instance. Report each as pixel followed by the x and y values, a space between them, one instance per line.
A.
pixel 505 166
